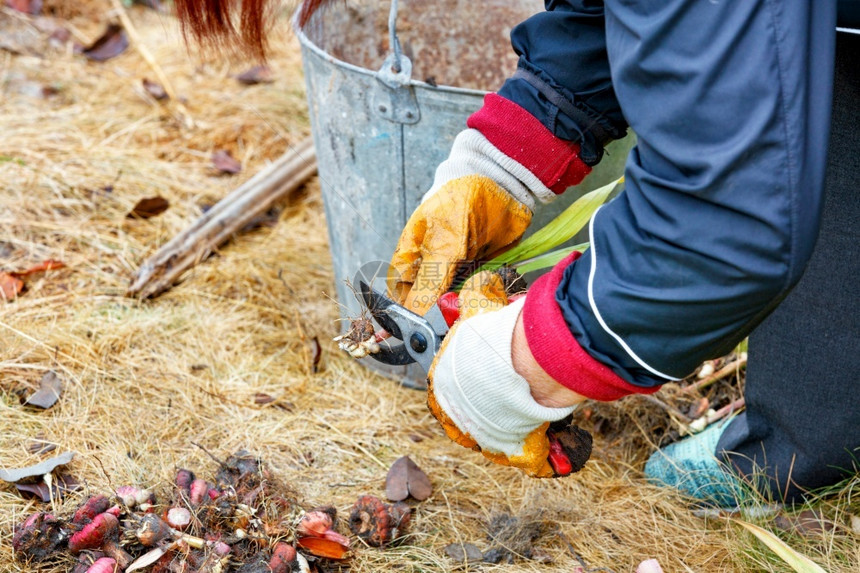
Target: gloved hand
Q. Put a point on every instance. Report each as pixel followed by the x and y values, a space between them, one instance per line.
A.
pixel 474 391
pixel 481 200
pixel 467 219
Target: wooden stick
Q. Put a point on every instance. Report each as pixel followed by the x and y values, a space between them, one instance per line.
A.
pixel 726 370
pixel 255 196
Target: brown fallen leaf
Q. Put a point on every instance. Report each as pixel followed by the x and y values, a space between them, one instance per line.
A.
pixel 49 265
pixel 32 7
pixel 316 354
pixel 36 470
pixel 10 286
pixel 60 486
pixel 405 478
pixel 149 207
pixel 464 552
pixel 40 447
pixel 224 162
pixel 808 523
pixel 50 388
pixel 256 75
pixel 155 89
pixel 112 43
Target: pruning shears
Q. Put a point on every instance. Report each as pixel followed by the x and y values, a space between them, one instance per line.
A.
pixel 421 337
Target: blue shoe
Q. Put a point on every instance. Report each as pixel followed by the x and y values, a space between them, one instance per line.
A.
pixel 691 466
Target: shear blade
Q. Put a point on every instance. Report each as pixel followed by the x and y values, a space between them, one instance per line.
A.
pixel 394 355
pixel 377 305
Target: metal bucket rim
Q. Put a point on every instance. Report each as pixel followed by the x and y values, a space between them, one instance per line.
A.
pixel 307 43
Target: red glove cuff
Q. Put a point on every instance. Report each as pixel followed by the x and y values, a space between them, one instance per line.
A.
pixel 557 351
pixel 522 137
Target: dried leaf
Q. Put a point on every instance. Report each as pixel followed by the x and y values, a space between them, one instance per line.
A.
pixel 10 286
pixel 405 478
pixel 323 547
pixel 48 265
pixel 149 207
pixel 37 470
pixel 256 75
pixel 147 559
pixel 224 162
pixel 40 490
pixel 50 388
pixel 59 487
pixel 111 44
pixel 464 552
pixel 32 7
pixel 798 562
pixel 155 89
pixel 261 399
pixel 316 354
pixel 40 447
pixel 808 523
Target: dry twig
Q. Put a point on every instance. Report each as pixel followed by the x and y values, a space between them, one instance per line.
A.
pixel 727 370
pixel 160 271
pixel 153 63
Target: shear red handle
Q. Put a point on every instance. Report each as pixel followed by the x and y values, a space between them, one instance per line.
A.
pixel 449 304
pixel 566 443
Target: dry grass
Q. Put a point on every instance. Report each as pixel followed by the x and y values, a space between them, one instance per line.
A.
pixel 145 380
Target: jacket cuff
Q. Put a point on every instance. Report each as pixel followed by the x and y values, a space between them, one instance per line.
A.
pixel 523 138
pixel 557 351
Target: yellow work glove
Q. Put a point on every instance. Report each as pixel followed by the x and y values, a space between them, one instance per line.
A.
pixel 474 391
pixel 467 219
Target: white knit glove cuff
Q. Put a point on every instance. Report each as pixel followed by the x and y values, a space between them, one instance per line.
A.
pixel 473 154
pixel 476 385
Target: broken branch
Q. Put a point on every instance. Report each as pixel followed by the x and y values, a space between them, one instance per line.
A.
pixel 160 271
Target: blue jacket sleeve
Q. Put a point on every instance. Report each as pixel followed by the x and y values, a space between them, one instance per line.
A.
pixel 563 75
pixel 730 103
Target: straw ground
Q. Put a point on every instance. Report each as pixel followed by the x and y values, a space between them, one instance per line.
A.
pixel 147 380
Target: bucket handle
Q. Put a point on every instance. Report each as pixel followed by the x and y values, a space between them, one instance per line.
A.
pixel 394 98
pixel 393 40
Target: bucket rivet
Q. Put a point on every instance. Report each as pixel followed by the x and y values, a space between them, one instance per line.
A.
pixel 382 108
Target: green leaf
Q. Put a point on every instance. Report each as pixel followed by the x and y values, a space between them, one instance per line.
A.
pixel 547 260
pixel 798 562
pixel 557 231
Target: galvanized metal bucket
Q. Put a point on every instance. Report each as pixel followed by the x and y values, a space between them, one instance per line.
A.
pixel 384 111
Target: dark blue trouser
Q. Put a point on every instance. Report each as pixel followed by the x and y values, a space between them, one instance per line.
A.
pixel 802 421
pixel 730 102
